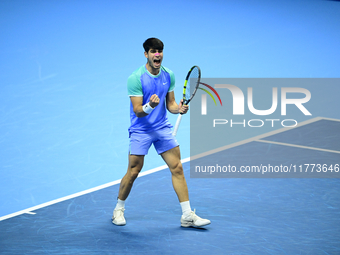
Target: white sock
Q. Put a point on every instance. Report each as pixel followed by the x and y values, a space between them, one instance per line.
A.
pixel 186 209
pixel 120 204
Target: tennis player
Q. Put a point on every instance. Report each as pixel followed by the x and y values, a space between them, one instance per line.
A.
pixel 151 91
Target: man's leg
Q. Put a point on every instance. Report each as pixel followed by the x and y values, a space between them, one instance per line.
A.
pixel 134 168
pixel 172 158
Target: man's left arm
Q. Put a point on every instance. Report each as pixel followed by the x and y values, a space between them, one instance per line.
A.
pixel 173 107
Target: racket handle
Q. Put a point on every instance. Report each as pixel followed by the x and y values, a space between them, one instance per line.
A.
pixel 177 124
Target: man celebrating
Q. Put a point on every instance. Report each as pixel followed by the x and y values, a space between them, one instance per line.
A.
pixel 151 91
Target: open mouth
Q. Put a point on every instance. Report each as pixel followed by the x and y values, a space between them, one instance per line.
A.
pixel 157 61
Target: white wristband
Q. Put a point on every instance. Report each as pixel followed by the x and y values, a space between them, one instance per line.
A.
pixel 147 108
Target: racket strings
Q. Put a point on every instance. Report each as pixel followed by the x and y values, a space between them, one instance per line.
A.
pixel 193 82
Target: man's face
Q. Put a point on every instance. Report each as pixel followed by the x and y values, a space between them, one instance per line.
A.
pixel 155 58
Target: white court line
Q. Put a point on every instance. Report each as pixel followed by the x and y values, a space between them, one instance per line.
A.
pixel 255 138
pixel 331 119
pixel 298 146
pixel 301 146
pixel 78 194
pixel 31 209
pixel 32 213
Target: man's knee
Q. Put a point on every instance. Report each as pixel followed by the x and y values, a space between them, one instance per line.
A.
pixel 134 170
pixel 177 168
pixel 133 175
pixel 135 166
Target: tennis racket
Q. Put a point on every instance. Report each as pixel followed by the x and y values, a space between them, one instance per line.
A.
pixel 189 91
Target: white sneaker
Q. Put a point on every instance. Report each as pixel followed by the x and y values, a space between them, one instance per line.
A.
pixel 193 220
pixel 118 217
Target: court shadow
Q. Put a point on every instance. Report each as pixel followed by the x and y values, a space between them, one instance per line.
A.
pixel 194 229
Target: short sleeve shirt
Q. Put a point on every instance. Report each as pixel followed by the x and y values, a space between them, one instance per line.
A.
pixel 142 83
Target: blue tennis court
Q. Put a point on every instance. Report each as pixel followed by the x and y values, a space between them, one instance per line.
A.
pixel 64 115
pixel 249 216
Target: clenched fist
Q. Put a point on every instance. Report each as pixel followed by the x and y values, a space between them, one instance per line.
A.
pixel 154 100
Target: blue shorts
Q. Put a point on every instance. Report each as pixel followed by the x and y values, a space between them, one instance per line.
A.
pixel 162 139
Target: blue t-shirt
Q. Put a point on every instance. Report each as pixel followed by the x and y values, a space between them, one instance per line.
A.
pixel 142 83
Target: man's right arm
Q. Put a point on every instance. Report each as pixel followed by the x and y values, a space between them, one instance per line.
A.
pixel 141 110
pixel 137 103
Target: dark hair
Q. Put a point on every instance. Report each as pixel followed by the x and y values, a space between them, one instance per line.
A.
pixel 153 43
